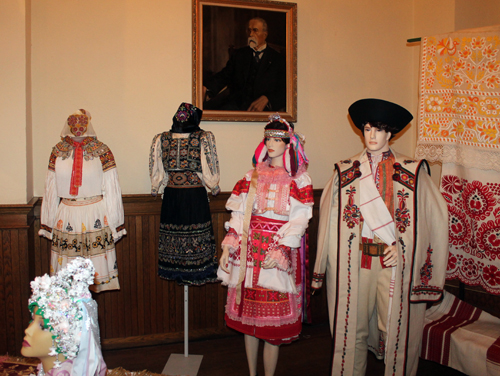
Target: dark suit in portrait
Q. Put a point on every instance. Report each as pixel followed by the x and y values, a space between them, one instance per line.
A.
pixel 248 78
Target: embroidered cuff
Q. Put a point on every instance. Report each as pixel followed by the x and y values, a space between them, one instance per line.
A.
pixel 47 234
pixel 317 280
pixel 118 232
pixel 215 190
pixel 281 254
pixel 231 239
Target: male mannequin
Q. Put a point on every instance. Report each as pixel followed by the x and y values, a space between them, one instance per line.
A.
pixel 379 256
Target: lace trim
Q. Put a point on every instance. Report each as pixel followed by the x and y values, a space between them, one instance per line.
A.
pixel 469 157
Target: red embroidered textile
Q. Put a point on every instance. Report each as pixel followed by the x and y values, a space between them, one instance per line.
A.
pixel 76 173
pixel 264 313
pixel 474 226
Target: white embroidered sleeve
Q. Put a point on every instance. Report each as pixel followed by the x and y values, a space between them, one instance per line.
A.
pixel 210 163
pixel 112 196
pixel 156 170
pixel 50 203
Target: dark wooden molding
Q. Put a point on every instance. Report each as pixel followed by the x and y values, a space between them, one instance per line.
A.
pixel 17 216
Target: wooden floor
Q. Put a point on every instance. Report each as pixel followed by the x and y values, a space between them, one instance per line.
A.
pixel 310 355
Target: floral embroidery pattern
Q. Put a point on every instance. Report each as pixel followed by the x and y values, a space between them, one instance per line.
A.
pixel 351 213
pixel 349 175
pixel 304 194
pixel 181 153
pixel 426 270
pixel 478 200
pixel 184 111
pixel 402 214
pixel 92 148
pixel 403 176
pixel 241 186
pixel 474 231
pixel 460 81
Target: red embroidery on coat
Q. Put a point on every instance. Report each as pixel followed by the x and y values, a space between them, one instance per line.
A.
pixel 351 214
pixel 402 214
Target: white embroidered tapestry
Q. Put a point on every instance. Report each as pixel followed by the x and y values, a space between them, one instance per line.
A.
pixel 459 125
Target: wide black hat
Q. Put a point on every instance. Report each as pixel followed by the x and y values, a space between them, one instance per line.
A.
pixel 378 110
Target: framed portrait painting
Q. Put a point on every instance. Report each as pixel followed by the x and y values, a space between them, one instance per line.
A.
pixel 245 59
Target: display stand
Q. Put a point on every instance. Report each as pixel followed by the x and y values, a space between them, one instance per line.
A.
pixel 183 364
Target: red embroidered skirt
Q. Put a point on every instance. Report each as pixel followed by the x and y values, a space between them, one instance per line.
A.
pixel 264 313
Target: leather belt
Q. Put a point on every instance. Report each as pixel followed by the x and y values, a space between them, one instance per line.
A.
pixel 373 249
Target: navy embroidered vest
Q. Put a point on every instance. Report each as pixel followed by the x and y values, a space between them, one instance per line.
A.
pixel 181 153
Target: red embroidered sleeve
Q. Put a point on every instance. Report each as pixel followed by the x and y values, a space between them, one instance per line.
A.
pixel 52 161
pixel 107 160
pixel 241 187
pixel 304 195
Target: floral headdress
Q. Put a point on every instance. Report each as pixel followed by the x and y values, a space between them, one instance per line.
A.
pixel 187 119
pixel 65 304
pixel 294 155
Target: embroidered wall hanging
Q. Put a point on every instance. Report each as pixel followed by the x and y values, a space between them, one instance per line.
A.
pixel 459 125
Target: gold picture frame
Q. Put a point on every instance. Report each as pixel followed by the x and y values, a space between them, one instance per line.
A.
pixel 220 38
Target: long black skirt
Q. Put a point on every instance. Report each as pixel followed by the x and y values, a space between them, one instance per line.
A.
pixel 186 251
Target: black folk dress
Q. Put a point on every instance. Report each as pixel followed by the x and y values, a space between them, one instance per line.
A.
pixel 182 167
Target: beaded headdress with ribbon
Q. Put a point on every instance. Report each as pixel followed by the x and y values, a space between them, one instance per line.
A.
pixel 294 155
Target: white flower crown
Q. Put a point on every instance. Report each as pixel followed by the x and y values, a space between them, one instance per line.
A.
pixel 59 301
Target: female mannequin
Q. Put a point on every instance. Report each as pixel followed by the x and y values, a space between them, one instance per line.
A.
pixel 64 332
pixel 261 263
pixel 82 210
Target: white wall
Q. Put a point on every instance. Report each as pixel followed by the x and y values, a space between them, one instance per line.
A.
pixel 15 186
pixel 129 63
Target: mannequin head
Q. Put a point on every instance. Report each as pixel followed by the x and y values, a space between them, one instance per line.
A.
pixel 276 140
pixel 64 324
pixel 376 138
pixel 281 146
pixel 38 341
pixel 384 119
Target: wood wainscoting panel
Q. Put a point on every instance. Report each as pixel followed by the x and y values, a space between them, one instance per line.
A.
pixel 147 310
pixel 16 252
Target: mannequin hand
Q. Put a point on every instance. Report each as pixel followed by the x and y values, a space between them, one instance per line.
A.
pixel 269 263
pixel 224 259
pixel 259 104
pixel 391 256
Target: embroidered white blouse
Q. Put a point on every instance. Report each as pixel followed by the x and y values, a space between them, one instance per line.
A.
pixel 210 175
